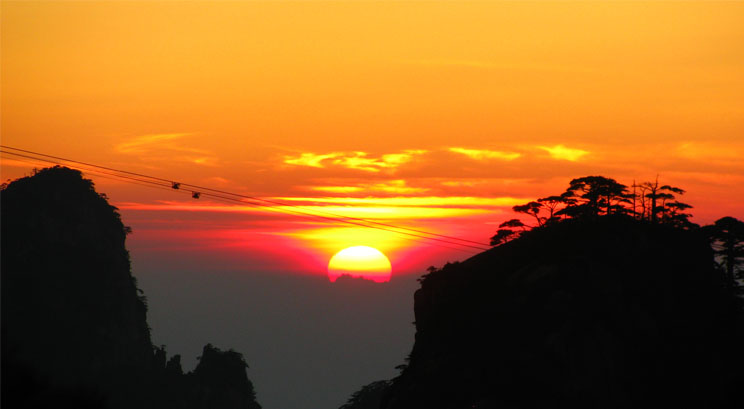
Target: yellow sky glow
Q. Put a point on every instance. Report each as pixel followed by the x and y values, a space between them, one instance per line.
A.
pixel 562 152
pixel 405 110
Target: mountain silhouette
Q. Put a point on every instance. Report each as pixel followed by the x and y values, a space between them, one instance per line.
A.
pixel 369 397
pixel 349 280
pixel 604 313
pixel 74 328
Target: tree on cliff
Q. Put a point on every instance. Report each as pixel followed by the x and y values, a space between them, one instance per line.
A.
pixel 532 209
pixel 659 204
pixel 506 232
pixel 552 204
pixel 592 196
pixel 727 240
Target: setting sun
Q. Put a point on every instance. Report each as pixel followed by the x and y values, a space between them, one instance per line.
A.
pixel 360 261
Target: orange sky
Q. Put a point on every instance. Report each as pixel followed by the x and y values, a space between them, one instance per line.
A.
pixel 435 115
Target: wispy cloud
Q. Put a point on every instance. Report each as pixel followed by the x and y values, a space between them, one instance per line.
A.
pixel 338 189
pixel 361 161
pixel 145 143
pixel 368 209
pixel 483 154
pixel 561 152
pixel 708 151
pixel 396 212
pixel 358 160
pixel 218 180
pixel 25 164
pixel 309 159
pixel 168 205
pixel 398 186
pixel 166 146
pixel 412 201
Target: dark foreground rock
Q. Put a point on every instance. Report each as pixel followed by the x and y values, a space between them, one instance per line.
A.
pixel 610 313
pixel 369 397
pixel 74 329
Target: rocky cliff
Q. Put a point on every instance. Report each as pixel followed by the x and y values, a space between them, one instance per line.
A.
pixel 74 329
pixel 611 313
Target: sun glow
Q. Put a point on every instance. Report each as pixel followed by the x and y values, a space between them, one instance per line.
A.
pixel 360 261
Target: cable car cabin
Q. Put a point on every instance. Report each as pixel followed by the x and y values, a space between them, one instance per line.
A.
pixel 195 195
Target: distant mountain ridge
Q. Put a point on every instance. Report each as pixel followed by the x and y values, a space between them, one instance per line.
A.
pixel 607 313
pixel 74 329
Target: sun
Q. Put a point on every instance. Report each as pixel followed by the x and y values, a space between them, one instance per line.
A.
pixel 360 261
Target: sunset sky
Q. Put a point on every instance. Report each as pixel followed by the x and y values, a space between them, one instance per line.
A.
pixel 438 116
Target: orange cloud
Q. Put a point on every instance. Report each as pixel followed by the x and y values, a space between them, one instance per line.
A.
pixel 338 189
pixel 310 159
pixel 561 152
pixel 394 186
pixel 329 207
pixel 392 212
pixel 358 160
pixel 145 143
pixel 24 164
pixel 165 147
pixel 708 151
pixel 184 207
pixel 413 201
pixel 483 154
